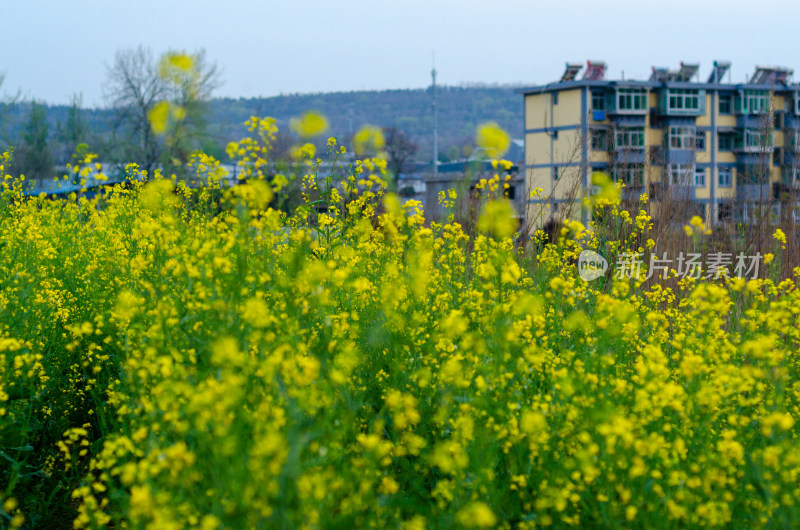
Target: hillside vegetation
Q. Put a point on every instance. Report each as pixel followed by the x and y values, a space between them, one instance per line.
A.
pixel 461 110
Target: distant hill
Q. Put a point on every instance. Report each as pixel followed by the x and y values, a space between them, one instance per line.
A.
pixel 460 111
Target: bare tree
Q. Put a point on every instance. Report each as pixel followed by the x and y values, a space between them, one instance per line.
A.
pixel 399 147
pixel 137 83
pixel 190 91
pixel 133 89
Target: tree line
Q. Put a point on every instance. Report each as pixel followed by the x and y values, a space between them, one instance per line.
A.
pixel 179 88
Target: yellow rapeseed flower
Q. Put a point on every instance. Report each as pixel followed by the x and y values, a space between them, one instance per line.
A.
pixel 604 191
pixel 368 140
pixel 310 124
pixel 493 139
pixel 498 219
pixel 176 67
pixel 159 117
pixel 477 515
pixel 780 237
pixel 697 222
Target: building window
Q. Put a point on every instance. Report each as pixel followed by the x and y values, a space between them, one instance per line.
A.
pixel 699 177
pixel 755 101
pixel 599 140
pixel 683 99
pixel 700 141
pixel 682 137
pixel 554 96
pixel 631 99
pixel 726 104
pixel 555 173
pixel 754 140
pixel 725 177
pixel 725 142
pixel 680 174
pixel 598 101
pixel 629 138
pixel 790 139
pixel 631 175
pixel 742 212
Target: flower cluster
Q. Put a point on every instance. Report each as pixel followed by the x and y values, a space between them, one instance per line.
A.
pixel 167 365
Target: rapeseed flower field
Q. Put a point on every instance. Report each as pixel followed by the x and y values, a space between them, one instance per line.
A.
pixel 190 357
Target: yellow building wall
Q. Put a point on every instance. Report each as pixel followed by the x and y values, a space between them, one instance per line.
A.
pixel 653 137
pixel 652 174
pixel 538 213
pixel 567 147
pixel 537 149
pixel 536 216
pixel 569 183
pixel 705 120
pixel 539 178
pixel 599 156
pixel 536 106
pixel 568 109
pixel 726 120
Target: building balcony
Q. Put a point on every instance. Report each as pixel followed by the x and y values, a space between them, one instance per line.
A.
pixel 753 149
pixel 754 192
pixel 663 192
pixel 682 102
pixel 632 192
pixel 757 162
pixel 791 121
pixel 627 100
pixel 753 141
pixel 629 155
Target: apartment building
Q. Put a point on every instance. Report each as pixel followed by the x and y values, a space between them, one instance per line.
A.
pixel 730 151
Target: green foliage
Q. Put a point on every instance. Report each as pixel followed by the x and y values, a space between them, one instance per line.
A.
pixel 74 130
pixel 194 357
pixel 33 158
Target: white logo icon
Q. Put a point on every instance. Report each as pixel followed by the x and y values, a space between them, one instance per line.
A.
pixel 591 265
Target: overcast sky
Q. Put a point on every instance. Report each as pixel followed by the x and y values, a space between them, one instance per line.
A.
pixel 53 49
